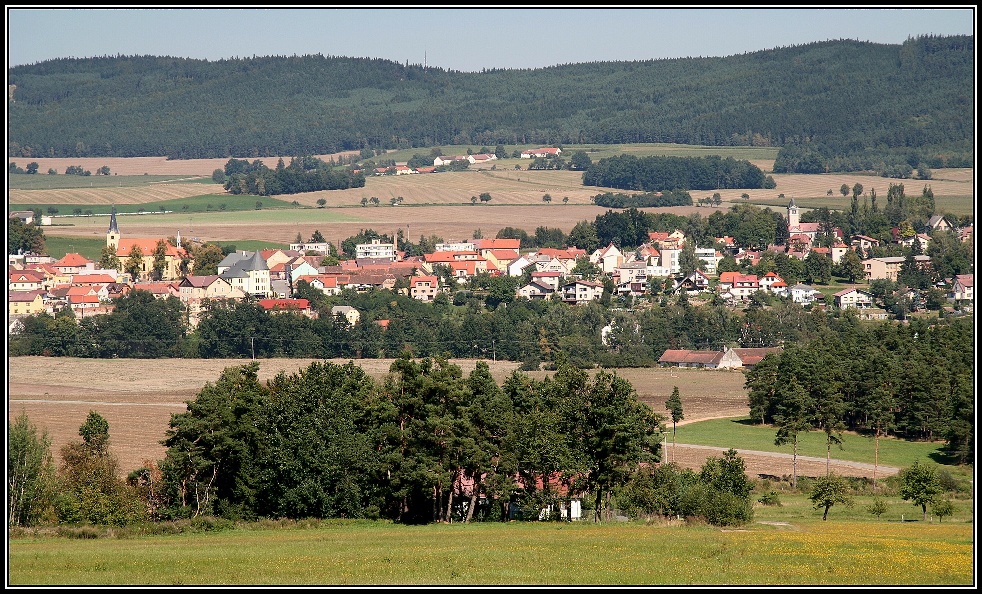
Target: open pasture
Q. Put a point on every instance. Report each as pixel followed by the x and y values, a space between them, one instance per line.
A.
pixel 802 552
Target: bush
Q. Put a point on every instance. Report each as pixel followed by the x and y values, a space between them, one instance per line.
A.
pixel 770 498
pixel 726 509
pixel 877 508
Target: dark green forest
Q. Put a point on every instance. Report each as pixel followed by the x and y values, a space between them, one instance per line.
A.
pixel 836 105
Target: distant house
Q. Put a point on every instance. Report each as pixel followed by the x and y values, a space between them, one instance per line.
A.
pixel 963 288
pixel 25 302
pixel 447 160
pixel 481 158
pixel 857 298
pixel 536 289
pixel 804 294
pixel 424 288
pixel 298 306
pixel 541 153
pixel 608 259
pixel 688 358
pixel 938 222
pixel 348 313
pixel 582 292
pixel 695 282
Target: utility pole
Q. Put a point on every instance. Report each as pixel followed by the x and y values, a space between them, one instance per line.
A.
pixel 252 341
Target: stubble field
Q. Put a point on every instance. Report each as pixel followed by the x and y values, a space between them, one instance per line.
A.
pixel 432 204
pixel 137 397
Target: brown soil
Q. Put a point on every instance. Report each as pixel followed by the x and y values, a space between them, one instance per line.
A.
pixel 137 397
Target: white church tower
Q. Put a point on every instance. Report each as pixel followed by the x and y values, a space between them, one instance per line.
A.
pixel 793 220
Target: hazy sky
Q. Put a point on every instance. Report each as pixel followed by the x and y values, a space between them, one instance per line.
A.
pixel 459 38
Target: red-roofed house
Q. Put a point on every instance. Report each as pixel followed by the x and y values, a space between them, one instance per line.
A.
pixel 512 245
pixel 25 280
pixel 541 153
pixel 81 280
pixel 687 358
pixel 300 306
pixel 73 263
pixel 424 288
pixel 963 289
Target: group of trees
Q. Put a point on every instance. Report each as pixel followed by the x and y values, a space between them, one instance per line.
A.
pixel 330 441
pixel 775 97
pixel 914 381
pixel 85 488
pixel 303 174
pixel 23 238
pixel 655 173
pixel 644 200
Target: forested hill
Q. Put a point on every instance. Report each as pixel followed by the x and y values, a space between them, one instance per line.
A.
pixel 841 101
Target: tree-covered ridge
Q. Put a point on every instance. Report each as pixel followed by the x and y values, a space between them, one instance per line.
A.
pixel 849 100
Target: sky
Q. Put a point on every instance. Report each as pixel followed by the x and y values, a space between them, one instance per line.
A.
pixel 462 39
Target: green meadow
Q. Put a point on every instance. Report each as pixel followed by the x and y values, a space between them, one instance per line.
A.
pixel 740 433
pixel 41 181
pixel 790 550
pixel 205 203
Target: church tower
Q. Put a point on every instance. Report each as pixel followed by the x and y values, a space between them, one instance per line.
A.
pixel 112 236
pixel 793 215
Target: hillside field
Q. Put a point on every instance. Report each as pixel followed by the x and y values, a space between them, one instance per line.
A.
pixel 432 204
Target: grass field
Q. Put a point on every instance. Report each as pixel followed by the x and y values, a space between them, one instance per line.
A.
pixel 800 552
pixel 202 203
pixel 23 181
pixel 854 447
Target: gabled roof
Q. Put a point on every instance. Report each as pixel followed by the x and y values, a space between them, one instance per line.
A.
pixel 72 259
pixel 687 356
pixel 853 289
pixel 147 246
pixel 23 296
pixel 752 356
pixel 91 279
pixel 284 303
pixel 415 280
pixel 200 281
pixel 965 280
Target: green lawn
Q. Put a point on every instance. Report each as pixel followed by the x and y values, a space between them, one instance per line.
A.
pixel 740 434
pixel 42 181
pixel 804 551
pixel 195 204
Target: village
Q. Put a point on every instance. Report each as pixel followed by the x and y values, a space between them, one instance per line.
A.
pixel 39 283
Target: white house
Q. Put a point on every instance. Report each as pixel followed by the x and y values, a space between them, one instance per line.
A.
pixel 581 292
pixel 541 153
pixel 854 297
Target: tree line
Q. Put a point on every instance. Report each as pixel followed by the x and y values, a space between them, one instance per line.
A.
pixel 797 96
pixel 303 174
pixel 656 173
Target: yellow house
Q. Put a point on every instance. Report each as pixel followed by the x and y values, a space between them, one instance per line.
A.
pixel 25 303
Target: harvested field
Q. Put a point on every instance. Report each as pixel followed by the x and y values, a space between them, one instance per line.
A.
pixel 146 165
pixel 123 195
pixel 137 398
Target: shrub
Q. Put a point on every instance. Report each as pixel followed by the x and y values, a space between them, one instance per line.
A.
pixel 877 508
pixel 770 498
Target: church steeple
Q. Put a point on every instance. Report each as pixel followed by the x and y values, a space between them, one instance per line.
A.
pixel 793 220
pixel 112 236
